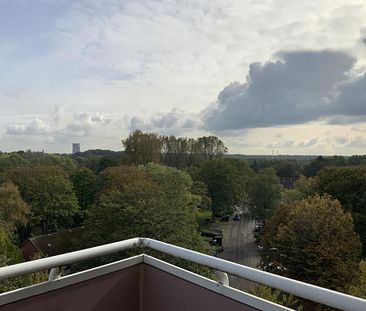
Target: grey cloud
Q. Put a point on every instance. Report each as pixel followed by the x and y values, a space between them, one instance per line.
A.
pixel 364 41
pixel 341 140
pixel 358 142
pixel 168 120
pixel 310 143
pixel 138 124
pixel 173 121
pixel 299 87
pixel 352 98
pixel 344 119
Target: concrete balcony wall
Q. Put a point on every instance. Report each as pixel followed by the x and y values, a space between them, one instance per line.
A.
pixel 135 285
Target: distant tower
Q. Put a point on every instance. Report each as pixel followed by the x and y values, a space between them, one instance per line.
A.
pixel 75 148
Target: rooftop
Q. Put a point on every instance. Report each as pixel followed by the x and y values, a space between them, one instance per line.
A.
pixel 143 283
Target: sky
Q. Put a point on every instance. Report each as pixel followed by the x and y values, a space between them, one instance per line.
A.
pixel 263 75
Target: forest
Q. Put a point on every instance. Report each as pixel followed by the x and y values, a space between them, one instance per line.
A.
pixel 165 187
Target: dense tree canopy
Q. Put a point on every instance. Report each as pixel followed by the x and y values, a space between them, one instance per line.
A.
pixel 348 185
pixel 315 242
pixel 13 210
pixel 11 160
pixel 49 192
pixel 85 186
pixel 227 181
pixel 10 254
pixel 178 152
pixel 288 168
pixel 302 188
pixel 143 148
pixel 264 193
pixel 152 201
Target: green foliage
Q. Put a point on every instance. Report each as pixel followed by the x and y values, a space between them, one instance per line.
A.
pixel 264 193
pixel 13 210
pixel 143 148
pixel 288 168
pixel 227 181
pixel 11 160
pixel 310 243
pixel 178 152
pixel 259 164
pixel 211 147
pixel 303 187
pixel 356 160
pixel 44 159
pixel 174 182
pixel 85 186
pixel 150 201
pixel 277 296
pixel 359 289
pixel 314 166
pixel 200 190
pixel 10 255
pixel 49 192
pixel 348 185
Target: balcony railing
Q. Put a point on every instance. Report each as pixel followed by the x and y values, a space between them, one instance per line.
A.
pixel 311 292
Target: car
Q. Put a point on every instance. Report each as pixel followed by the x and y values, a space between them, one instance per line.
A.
pixel 236 217
pixel 224 218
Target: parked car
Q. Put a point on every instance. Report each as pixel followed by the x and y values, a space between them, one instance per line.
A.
pixel 236 217
pixel 224 218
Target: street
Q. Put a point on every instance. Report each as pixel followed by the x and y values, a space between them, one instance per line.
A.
pixel 240 247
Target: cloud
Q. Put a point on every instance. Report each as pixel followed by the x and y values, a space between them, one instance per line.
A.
pixel 352 98
pixel 84 124
pixel 173 122
pixel 61 127
pixel 299 87
pixel 36 127
pixel 350 142
pixel 293 144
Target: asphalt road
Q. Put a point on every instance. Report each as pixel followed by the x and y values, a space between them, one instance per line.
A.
pixel 240 247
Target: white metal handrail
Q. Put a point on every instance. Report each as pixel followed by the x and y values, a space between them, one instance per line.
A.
pixel 65 259
pixel 300 289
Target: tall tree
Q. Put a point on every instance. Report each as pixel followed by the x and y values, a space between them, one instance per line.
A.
pixel 302 188
pixel 359 289
pixel 13 210
pixel 288 168
pixel 211 147
pixel 310 244
pixel 348 185
pixel 227 181
pixel 10 255
pixel 143 148
pixel 11 160
pixel 264 193
pixel 152 201
pixel 49 192
pixel 176 151
pixel 85 185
